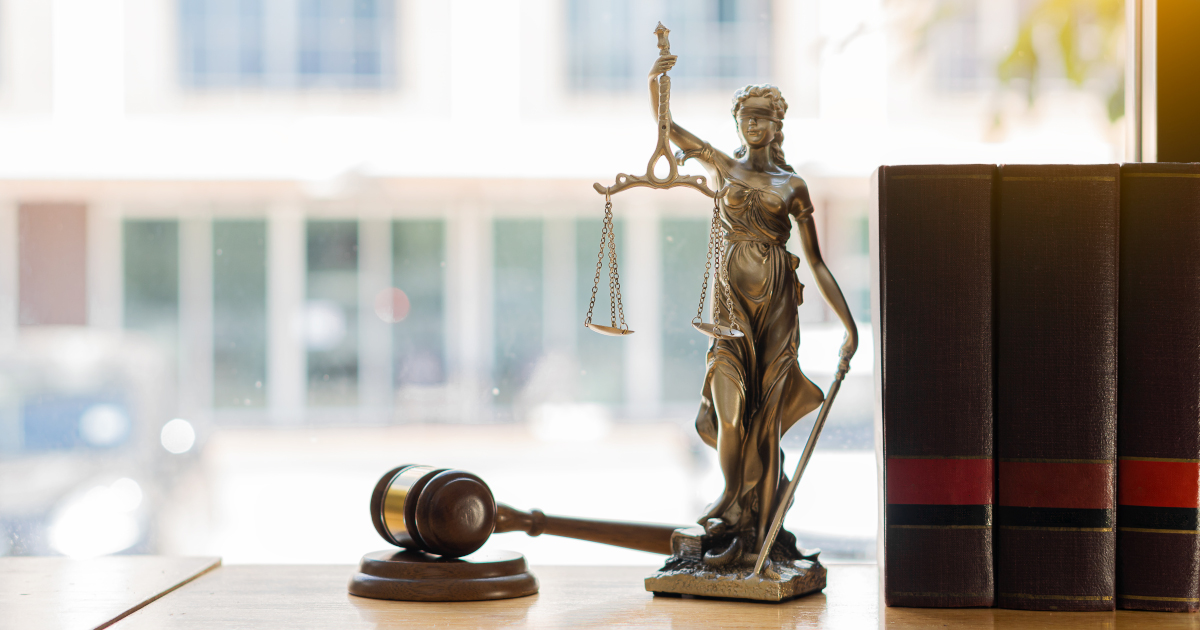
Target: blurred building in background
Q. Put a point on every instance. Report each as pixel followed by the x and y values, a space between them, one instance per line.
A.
pixel 367 219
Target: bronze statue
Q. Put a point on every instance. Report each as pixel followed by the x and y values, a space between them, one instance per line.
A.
pixel 753 390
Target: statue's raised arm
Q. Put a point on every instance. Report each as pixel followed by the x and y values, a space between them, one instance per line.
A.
pixel 661 91
pixel 691 146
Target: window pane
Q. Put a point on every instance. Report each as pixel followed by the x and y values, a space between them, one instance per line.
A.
pixel 419 270
pixel 250 41
pixel 193 45
pixel 722 44
pixel 286 43
pixel 685 244
pixel 517 292
pixel 954 43
pixel 331 313
pixel 239 313
pixel 221 42
pixel 601 358
pixel 151 269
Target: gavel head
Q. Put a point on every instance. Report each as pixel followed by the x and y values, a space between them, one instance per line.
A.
pixel 439 510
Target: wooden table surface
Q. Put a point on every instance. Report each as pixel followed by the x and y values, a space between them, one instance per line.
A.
pixel 60 593
pixel 254 596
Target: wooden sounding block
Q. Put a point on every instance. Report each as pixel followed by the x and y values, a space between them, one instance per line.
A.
pixel 422 577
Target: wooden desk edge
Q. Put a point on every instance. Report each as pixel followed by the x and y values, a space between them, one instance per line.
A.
pixel 216 562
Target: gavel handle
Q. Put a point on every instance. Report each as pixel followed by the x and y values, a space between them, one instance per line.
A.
pixel 650 537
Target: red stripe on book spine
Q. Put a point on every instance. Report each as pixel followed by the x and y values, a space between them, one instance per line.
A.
pixel 939 481
pixel 1159 484
pixel 1056 485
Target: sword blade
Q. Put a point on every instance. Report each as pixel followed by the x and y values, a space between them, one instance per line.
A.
pixel 811 445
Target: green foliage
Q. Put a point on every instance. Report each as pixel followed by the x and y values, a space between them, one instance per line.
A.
pixel 1088 42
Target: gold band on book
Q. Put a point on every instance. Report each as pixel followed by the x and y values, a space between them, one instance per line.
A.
pixel 1068 178
pixel 1174 460
pixel 1073 598
pixel 915 594
pixel 1192 175
pixel 1036 460
pixel 1158 531
pixel 1056 529
pixel 939 177
pixel 939 526
pixel 1160 599
pixel 939 457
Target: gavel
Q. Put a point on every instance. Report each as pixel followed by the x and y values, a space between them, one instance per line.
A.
pixel 451 513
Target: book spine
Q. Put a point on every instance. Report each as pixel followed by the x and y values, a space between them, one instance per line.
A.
pixel 1158 496
pixel 935 274
pixel 1056 387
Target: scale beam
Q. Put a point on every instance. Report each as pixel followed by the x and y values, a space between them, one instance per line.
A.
pixel 624 181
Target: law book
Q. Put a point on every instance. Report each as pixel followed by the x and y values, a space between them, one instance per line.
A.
pixel 1158 535
pixel 1056 387
pixel 932 239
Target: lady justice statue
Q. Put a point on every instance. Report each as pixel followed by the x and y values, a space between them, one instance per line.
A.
pixel 753 389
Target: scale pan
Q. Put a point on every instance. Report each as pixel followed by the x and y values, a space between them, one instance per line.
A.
pixel 718 332
pixel 610 331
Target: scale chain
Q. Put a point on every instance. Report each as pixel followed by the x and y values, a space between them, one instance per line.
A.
pixel 717 262
pixel 616 310
pixel 707 267
pixel 613 281
pixel 616 296
pixel 714 243
pixel 599 259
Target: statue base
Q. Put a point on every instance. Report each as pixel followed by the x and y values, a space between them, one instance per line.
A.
pixel 687 573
